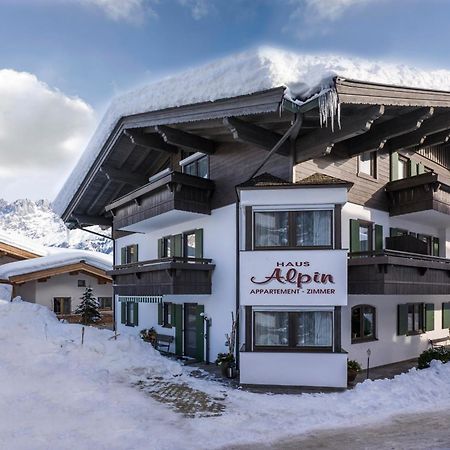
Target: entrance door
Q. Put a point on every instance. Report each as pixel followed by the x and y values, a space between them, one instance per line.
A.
pixel 190 330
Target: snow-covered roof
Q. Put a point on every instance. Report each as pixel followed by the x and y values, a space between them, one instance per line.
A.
pixel 246 73
pixel 24 244
pixel 62 258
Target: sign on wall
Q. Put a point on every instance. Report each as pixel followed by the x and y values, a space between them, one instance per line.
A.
pixel 297 277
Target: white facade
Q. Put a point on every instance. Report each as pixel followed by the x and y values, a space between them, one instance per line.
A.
pixel 218 244
pixel 289 368
pixel 389 347
pixel 292 282
pixel 63 285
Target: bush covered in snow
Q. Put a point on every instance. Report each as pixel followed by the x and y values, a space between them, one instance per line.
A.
pixel 438 354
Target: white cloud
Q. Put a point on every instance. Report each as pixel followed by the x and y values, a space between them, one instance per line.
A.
pixel 134 11
pixel 42 132
pixel 312 17
pixel 331 9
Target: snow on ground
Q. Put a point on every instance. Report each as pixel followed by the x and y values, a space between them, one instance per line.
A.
pixel 57 258
pixel 55 393
pixel 245 73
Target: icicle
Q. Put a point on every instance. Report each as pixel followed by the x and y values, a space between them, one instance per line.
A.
pixel 329 108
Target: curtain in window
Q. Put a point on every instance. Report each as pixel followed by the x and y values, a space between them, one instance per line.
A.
pixel 314 329
pixel 314 228
pixel 271 229
pixel 271 329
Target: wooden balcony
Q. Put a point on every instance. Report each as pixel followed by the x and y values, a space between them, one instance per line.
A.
pixel 423 192
pixel 164 276
pixel 174 191
pixel 391 272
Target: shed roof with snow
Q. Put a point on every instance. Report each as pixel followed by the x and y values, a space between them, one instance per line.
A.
pixel 66 261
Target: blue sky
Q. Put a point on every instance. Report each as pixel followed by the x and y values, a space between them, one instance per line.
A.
pixel 94 49
pixel 77 47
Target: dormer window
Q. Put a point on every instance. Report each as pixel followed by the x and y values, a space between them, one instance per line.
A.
pixel 196 164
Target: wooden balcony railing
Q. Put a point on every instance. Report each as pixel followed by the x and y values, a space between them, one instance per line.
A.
pixel 174 275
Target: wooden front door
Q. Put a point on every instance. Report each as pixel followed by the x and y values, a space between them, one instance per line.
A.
pixel 190 330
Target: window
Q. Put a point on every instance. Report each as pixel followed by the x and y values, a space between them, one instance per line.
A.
pixel 196 165
pixel 363 323
pixel 81 283
pixel 367 164
pixel 129 313
pixel 62 305
pixel 365 236
pixel 403 167
pixel 129 254
pixel 187 245
pixel 167 315
pixel 271 229
pixel 105 302
pixel 293 229
pixel 415 318
pixel 293 330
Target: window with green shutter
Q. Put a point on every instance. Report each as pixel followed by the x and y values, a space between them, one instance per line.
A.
pixel 365 236
pixel 129 254
pixel 188 245
pixel 414 318
pixel 129 314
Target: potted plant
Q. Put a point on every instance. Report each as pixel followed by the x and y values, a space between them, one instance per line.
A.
pixel 353 368
pixel 224 361
pixel 149 335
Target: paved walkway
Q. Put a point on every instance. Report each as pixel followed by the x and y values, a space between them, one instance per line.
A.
pixel 426 431
pixel 183 398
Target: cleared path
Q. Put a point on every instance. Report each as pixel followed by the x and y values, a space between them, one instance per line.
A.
pixel 407 432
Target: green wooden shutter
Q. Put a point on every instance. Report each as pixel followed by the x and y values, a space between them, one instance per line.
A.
pixel 378 237
pixel 136 313
pixel 135 253
pixel 413 168
pixel 172 314
pixel 123 312
pixel 429 316
pixel 160 248
pixel 160 313
pixel 402 319
pixel 420 169
pixel 394 166
pixel 435 246
pixel 123 255
pixel 445 315
pixel 177 245
pixel 200 325
pixel 199 243
pixel 178 321
pixel 355 245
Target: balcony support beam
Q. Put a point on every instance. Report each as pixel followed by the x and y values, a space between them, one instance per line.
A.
pixel 321 142
pixel 376 138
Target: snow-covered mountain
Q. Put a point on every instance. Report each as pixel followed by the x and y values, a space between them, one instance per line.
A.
pixel 37 221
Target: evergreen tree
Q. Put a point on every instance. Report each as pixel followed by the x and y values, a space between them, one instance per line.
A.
pixel 88 308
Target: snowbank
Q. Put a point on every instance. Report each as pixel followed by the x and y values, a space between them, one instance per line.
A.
pixel 56 393
pixel 59 257
pixel 265 68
